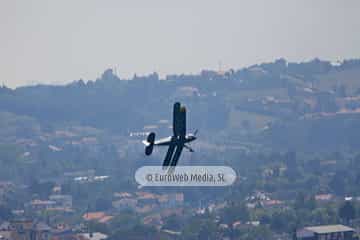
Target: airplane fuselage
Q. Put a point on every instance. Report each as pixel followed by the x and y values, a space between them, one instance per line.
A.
pixel 175 140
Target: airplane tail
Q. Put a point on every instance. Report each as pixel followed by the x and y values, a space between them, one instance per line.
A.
pixel 149 143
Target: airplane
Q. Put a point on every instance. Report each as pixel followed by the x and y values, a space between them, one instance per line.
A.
pixel 177 141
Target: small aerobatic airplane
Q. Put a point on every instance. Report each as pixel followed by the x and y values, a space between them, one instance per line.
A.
pixel 177 141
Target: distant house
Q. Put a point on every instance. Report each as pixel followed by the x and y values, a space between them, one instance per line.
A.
pixel 92 236
pixel 223 226
pixel 333 232
pixel 154 220
pixel 124 203
pixel 39 205
pixel 272 203
pixel 89 140
pixel 29 230
pixel 5 187
pixel 64 201
pixel 56 189
pixel 122 195
pixel 63 232
pixel 150 127
pixel 172 211
pixel 171 200
pixel 5 226
pixel 324 197
pixel 236 224
pixel 145 198
pixel 55 148
pixel 145 208
pixel 187 91
pixel 100 217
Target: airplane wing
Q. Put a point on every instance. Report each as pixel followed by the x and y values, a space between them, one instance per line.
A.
pixel 176 156
pixel 179 120
pixel 168 155
pixel 163 141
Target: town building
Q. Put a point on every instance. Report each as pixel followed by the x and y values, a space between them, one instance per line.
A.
pixel 325 232
pixel 92 236
pixel 25 230
pixel 64 201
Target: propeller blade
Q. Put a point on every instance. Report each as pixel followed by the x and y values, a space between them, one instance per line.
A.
pixel 189 148
pixel 196 131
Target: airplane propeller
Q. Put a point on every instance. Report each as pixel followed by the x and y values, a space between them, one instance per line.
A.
pixel 189 148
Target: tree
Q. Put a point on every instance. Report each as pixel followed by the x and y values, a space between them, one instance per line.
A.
pixel 259 233
pixel 124 221
pixel 235 213
pixel 103 204
pixel 5 213
pixel 42 189
pixel 311 202
pixel 173 222
pixel 338 182
pixel 290 159
pixel 207 230
pixel 137 232
pixel 283 220
pixel 347 211
pixel 300 200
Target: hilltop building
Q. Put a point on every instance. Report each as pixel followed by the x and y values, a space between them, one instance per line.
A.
pixel 333 232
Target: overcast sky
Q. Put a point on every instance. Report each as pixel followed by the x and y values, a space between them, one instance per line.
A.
pixel 61 41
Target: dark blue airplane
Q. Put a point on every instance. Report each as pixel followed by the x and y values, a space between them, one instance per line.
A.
pixel 176 142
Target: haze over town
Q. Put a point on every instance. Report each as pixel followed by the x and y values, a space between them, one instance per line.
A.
pixel 62 41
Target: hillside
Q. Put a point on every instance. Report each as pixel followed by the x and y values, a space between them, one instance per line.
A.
pixel 240 102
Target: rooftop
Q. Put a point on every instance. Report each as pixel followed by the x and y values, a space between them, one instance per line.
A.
pixel 93 236
pixel 97 216
pixel 329 229
pixel 93 215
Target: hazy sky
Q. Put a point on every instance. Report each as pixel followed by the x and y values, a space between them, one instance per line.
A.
pixel 61 41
